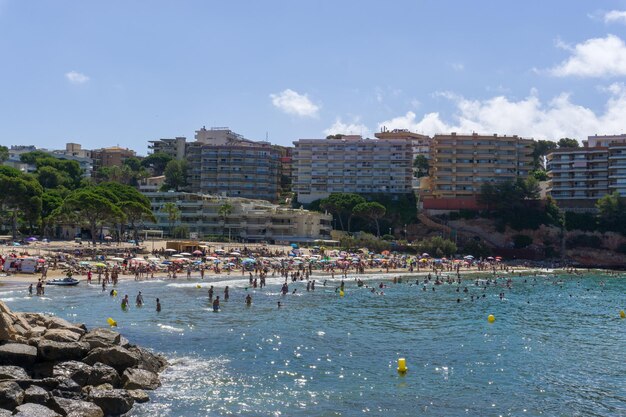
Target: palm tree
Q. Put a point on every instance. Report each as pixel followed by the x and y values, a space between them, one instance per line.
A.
pixel 224 211
pixel 173 214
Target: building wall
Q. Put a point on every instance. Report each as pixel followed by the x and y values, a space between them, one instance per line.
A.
pixel 108 157
pixel 174 147
pixel 460 164
pixel 250 220
pixel 351 165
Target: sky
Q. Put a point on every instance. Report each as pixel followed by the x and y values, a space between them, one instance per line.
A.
pixel 119 72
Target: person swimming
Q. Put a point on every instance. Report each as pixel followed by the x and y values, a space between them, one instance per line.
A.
pixel 158 306
pixel 216 304
pixel 139 300
pixel 211 293
pixel 248 299
pixel 125 302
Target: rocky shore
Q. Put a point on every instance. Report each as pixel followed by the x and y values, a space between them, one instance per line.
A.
pixel 50 367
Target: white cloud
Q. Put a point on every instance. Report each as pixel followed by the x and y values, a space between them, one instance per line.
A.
pixel 292 102
pixel 354 128
pixel 76 77
pixel 528 117
pixel 597 57
pixel 457 66
pixel 617 16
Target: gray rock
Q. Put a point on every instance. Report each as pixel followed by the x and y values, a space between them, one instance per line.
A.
pixel 116 357
pixel 66 387
pixel 77 371
pixel 139 395
pixel 77 408
pixel 61 335
pixel 59 323
pixel 35 410
pixel 42 369
pixel 62 351
pixel 12 372
pixel 11 395
pixel 140 379
pixel 7 331
pixel 112 401
pixel 101 338
pixel 5 413
pixel 36 331
pixel 148 360
pixel 36 394
pixel 103 374
pixel 17 354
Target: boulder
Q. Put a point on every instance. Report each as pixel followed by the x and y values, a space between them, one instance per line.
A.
pixel 134 378
pixel 101 338
pixel 12 372
pixel 148 360
pixel 66 388
pixel 59 323
pixel 5 413
pixel 76 408
pixel 11 395
pixel 36 331
pixel 103 374
pixel 17 354
pixel 35 410
pixel 139 395
pixel 42 369
pixel 61 335
pixel 7 331
pixel 62 351
pixel 34 319
pixel 36 394
pixel 115 356
pixel 112 401
pixel 77 371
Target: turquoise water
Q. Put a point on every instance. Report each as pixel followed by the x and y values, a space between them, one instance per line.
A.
pixel 548 353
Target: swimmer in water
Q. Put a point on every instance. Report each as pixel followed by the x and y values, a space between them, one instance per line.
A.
pixel 248 299
pixel 125 302
pixel 279 305
pixel 139 300
pixel 158 306
pixel 211 293
pixel 216 304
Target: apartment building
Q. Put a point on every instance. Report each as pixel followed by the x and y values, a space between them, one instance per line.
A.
pixel 174 147
pixel 420 143
pixel 225 163
pixel 108 157
pixel 72 152
pixel 246 220
pixel 580 176
pixel 460 164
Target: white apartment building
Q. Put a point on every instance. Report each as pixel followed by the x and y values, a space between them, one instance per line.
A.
pixel 351 165
pixel 247 220
pixel 580 176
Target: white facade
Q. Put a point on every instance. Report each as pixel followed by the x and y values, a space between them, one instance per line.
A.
pixel 248 220
pixel 351 165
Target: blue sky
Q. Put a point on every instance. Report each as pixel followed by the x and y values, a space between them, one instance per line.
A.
pixel 125 72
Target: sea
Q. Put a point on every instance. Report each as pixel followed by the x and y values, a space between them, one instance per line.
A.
pixel 556 347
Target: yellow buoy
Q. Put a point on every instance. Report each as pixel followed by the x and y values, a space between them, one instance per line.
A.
pixel 622 314
pixel 198 286
pixel 341 294
pixel 114 293
pixel 491 318
pixel 111 322
pixel 402 365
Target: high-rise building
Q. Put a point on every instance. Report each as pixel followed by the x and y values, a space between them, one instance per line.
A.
pixel 580 176
pixel 460 164
pixel 225 163
pixel 351 164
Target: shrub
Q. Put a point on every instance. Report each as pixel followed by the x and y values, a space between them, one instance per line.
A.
pixel 584 241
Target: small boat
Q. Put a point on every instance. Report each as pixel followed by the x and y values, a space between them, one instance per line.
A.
pixel 67 281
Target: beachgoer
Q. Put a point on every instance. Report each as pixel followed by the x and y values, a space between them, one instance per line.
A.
pixel 211 293
pixel 139 299
pixel 30 289
pixel 158 306
pixel 248 299
pixel 125 302
pixel 216 304
pixel 226 293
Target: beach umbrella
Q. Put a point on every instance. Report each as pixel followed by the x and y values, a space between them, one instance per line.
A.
pixel 108 238
pixel 32 239
pixel 116 259
pixel 170 250
pixel 185 254
pixel 178 255
pixel 197 252
pixel 235 254
pixel 16 244
pixel 99 264
pixel 468 257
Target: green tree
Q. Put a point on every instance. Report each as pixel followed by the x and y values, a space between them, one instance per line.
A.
pixel 51 200
pixel 173 214
pixel 541 148
pixel 372 211
pixel 20 195
pixel 568 143
pixel 612 213
pixel 341 205
pixel 156 162
pixel 32 157
pixel 539 175
pixel 133 163
pixel 4 154
pixel 88 208
pixel 420 163
pixel 224 211
pixel 50 177
pixel 175 175
pixel 135 213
